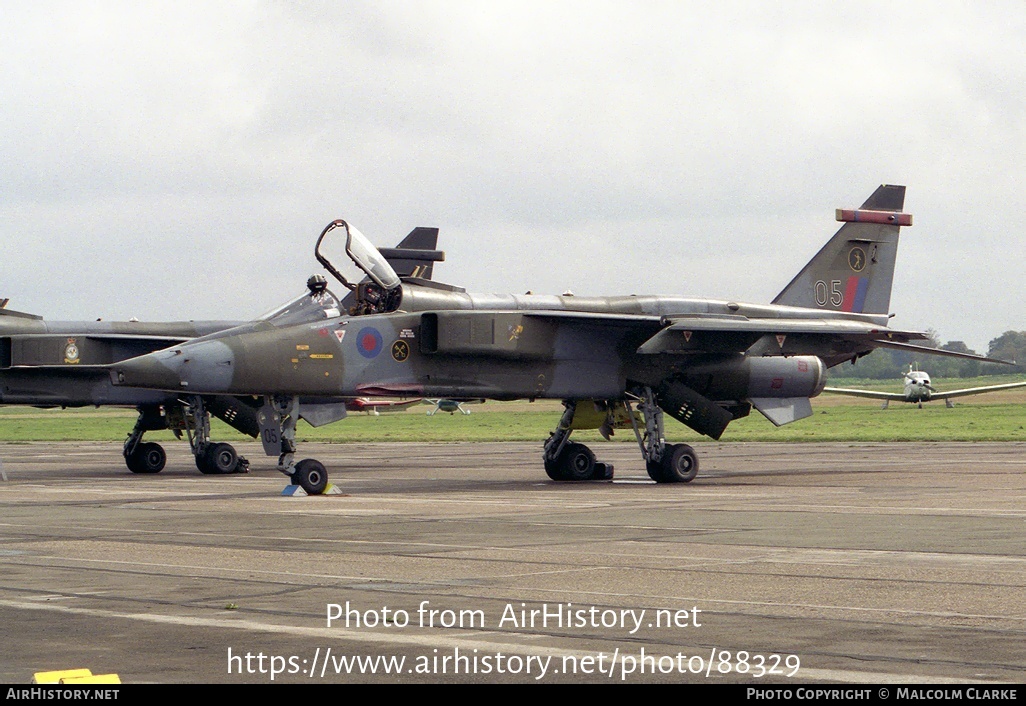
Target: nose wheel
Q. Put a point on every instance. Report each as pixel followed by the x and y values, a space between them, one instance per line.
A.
pixel 145 456
pixel 311 476
pixel 277 422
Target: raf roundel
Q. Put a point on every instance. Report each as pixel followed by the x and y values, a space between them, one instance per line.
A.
pixel 369 342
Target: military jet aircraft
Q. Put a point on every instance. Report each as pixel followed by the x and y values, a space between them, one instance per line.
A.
pixel 61 364
pixel 918 389
pixel 621 361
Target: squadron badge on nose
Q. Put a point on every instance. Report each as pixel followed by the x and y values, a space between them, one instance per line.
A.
pixel 400 350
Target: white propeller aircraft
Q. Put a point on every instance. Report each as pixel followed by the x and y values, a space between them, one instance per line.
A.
pixel 451 406
pixel 918 389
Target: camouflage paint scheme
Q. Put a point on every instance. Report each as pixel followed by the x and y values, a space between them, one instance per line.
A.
pixel 60 364
pixel 705 362
pixel 501 355
pixel 64 364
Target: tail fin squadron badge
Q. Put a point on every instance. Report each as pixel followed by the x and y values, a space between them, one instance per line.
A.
pixel 857 259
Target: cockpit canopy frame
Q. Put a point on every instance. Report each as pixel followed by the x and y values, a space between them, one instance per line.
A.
pixel 363 254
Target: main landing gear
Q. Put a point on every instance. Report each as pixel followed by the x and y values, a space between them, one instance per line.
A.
pixel 191 417
pixel 666 463
pixel 212 458
pixel 568 460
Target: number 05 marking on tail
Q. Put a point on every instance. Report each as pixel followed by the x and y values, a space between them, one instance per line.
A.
pixel 852 297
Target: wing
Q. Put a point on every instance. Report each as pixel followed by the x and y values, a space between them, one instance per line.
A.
pixel 834 340
pixel 975 391
pixel 866 393
pixel 713 333
pixel 828 338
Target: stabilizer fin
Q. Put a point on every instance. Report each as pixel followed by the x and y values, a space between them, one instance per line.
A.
pixel 854 271
pixel 4 311
pixel 421 257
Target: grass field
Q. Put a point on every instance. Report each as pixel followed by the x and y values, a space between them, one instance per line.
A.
pixel 999 416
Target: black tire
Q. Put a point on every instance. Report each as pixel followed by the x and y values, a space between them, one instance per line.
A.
pixel 680 464
pixel 132 461
pixel 655 471
pixel 578 462
pixel 203 464
pixel 311 475
pixel 222 458
pixel 154 458
pixel 148 457
pixel 554 467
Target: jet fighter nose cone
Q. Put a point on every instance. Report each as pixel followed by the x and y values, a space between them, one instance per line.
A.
pixel 154 371
pixel 199 367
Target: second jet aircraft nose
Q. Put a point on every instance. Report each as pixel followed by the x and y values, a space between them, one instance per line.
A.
pixel 149 371
pixel 200 367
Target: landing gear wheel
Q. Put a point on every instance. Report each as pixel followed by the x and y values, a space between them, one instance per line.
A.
pixel 204 465
pixel 554 468
pixel 311 475
pixel 149 457
pixel 578 462
pixel 222 458
pixel 680 464
pixel 655 471
pixel 133 463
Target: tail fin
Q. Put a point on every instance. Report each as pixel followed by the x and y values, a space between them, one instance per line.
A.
pixel 415 256
pixel 4 311
pixel 855 269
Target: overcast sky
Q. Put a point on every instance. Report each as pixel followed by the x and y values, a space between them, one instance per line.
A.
pixel 177 160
